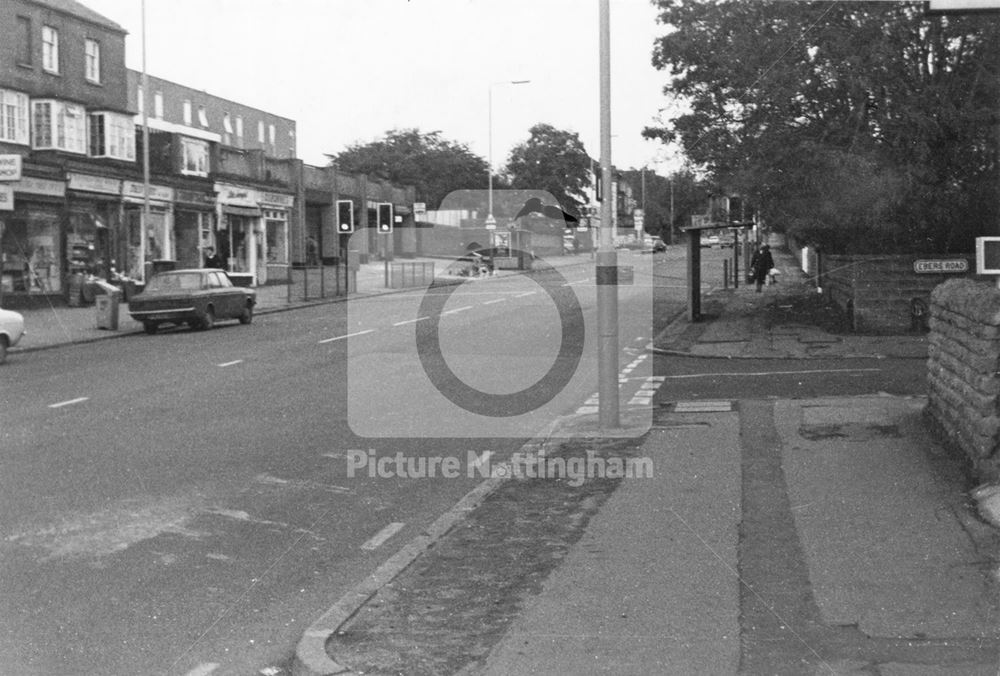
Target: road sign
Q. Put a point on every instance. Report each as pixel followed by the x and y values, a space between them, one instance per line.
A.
pixel 639 215
pixel 10 167
pixel 937 266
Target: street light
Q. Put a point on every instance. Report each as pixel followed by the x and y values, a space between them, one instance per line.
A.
pixel 490 220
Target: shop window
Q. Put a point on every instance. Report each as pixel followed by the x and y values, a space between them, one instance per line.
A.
pixel 195 157
pixel 14 117
pixel 59 125
pixel 276 237
pixel 29 251
pixel 112 135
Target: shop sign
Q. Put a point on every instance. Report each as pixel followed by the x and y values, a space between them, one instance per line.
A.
pixel 10 167
pixel 6 198
pixel 237 195
pixel 111 186
pixel 941 265
pixel 40 186
pixel 132 191
pixel 277 199
pixel 194 197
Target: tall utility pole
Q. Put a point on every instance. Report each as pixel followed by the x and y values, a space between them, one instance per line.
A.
pixel 144 223
pixel 607 257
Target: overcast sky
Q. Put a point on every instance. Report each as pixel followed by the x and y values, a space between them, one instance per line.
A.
pixel 349 70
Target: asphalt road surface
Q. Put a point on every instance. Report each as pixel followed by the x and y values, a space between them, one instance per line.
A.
pixel 180 503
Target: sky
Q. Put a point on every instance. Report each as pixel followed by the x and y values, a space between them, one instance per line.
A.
pixel 347 71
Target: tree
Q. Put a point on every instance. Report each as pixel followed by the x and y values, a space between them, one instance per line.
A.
pixel 552 160
pixel 430 163
pixel 861 125
pixel 682 188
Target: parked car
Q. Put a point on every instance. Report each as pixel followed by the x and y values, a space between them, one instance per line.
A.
pixel 11 330
pixel 659 246
pixel 196 297
pixel 710 241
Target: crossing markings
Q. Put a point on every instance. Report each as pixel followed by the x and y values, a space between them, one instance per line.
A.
pixel 411 321
pixel 230 363
pixel 349 335
pixel 69 402
pixel 377 540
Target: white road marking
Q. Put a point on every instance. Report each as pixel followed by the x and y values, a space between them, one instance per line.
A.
pixel 349 335
pixel 498 300
pixel 411 321
pixel 458 309
pixel 526 293
pixel 230 363
pixel 203 669
pixel 377 540
pixel 69 402
pixel 770 373
pixel 582 281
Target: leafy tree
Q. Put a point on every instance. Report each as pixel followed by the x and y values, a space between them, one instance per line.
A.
pixel 553 160
pixel 430 163
pixel 859 125
pixel 689 196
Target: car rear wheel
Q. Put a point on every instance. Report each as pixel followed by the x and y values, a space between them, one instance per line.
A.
pixel 208 319
pixel 3 349
pixel 247 315
pixel 150 327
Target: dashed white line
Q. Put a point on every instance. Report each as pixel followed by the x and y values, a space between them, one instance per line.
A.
pixel 377 540
pixel 69 402
pixel 526 293
pixel 411 321
pixel 349 335
pixel 498 300
pixel 230 363
pixel 458 309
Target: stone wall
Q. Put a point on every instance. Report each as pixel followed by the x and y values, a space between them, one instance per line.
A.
pixel 880 293
pixel 962 382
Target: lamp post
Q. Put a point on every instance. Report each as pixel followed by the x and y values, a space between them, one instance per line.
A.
pixel 144 221
pixel 490 220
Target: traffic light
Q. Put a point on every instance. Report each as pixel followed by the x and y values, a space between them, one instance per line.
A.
pixel 345 216
pixel 385 217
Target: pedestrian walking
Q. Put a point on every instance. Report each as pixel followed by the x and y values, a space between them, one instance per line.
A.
pixel 760 265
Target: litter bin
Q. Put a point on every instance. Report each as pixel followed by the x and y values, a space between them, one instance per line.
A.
pixel 107 300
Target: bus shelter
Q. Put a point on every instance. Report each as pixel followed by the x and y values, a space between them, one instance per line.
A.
pixel 694 234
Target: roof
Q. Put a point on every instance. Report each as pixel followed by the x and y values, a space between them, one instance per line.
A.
pixel 77 9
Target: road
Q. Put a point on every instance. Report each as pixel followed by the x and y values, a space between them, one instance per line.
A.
pixel 180 503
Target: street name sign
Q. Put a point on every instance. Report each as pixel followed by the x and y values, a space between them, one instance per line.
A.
pixel 937 266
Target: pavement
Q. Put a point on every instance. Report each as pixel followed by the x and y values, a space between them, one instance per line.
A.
pixel 56 325
pixel 777 536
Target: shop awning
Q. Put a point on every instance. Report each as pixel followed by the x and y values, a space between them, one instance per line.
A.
pixel 252 212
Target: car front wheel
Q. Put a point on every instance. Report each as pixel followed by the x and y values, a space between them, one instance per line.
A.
pixel 150 327
pixel 208 319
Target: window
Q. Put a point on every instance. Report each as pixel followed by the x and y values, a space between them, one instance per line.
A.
pixel 112 135
pixel 227 128
pixel 270 133
pixel 50 49
pixel 24 41
pixel 239 131
pixel 158 105
pixel 14 117
pixel 92 60
pixel 195 155
pixel 60 126
pixel 140 99
pixel 202 116
pixel 187 113
pixel 260 131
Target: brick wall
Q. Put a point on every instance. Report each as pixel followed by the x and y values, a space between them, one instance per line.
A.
pixel 963 359
pixel 878 291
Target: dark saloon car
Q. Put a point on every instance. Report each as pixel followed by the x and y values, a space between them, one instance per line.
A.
pixel 194 297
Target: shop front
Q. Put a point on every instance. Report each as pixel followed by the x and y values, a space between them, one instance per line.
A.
pixel 276 208
pixel 134 258
pixel 31 242
pixel 239 231
pixel 194 227
pixel 93 219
